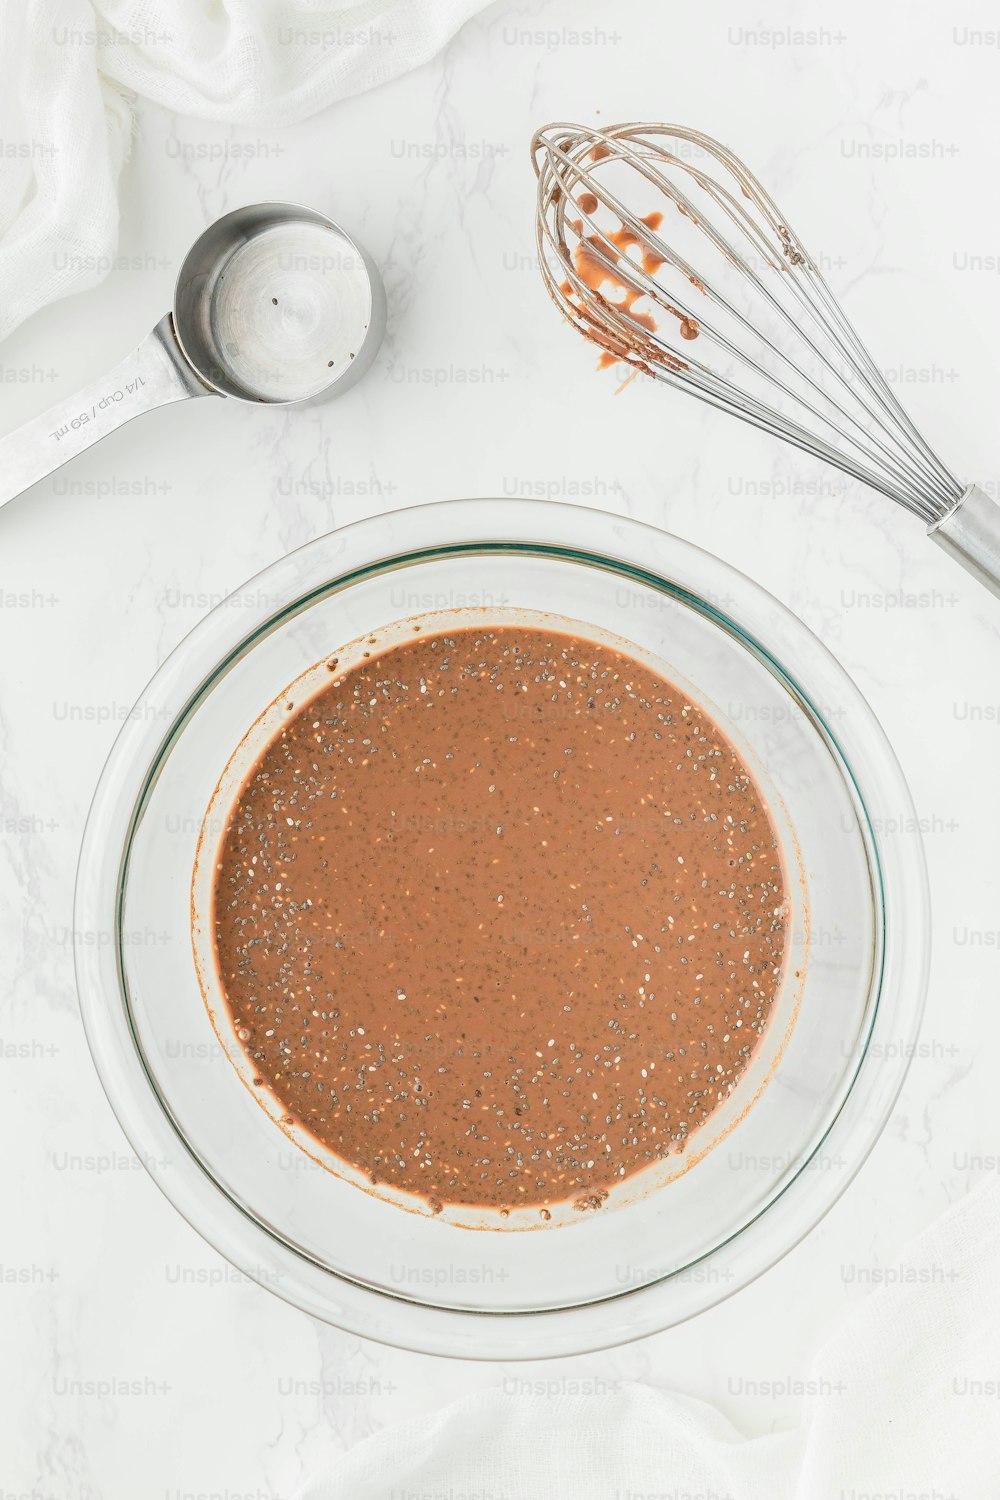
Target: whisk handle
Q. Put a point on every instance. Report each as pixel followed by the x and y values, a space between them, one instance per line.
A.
pixel 971 535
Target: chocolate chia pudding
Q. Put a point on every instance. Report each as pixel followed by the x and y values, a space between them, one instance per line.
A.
pixel 499 916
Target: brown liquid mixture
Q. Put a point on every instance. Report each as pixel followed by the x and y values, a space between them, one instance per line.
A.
pixel 499 916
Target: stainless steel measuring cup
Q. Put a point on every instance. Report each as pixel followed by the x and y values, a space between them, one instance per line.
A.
pixel 274 304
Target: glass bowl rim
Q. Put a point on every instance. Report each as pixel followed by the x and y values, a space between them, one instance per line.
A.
pixel 579 534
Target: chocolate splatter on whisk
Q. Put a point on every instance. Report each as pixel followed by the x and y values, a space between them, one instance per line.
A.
pixel 661 247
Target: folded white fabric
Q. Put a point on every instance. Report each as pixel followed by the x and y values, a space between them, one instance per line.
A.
pixel 903 1404
pixel 67 67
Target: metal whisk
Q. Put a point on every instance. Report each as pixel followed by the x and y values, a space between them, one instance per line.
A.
pixel 660 246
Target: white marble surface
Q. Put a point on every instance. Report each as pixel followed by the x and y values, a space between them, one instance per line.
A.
pixel 105 568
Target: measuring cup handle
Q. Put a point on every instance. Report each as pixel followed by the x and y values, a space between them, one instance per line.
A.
pixel 152 375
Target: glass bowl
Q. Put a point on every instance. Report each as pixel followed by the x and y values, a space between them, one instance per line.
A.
pixel 674 1239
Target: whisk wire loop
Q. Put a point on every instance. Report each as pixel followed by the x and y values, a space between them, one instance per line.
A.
pixel 775 347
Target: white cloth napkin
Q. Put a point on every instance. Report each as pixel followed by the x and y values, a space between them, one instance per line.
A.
pixel 67 68
pixel 904 1404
